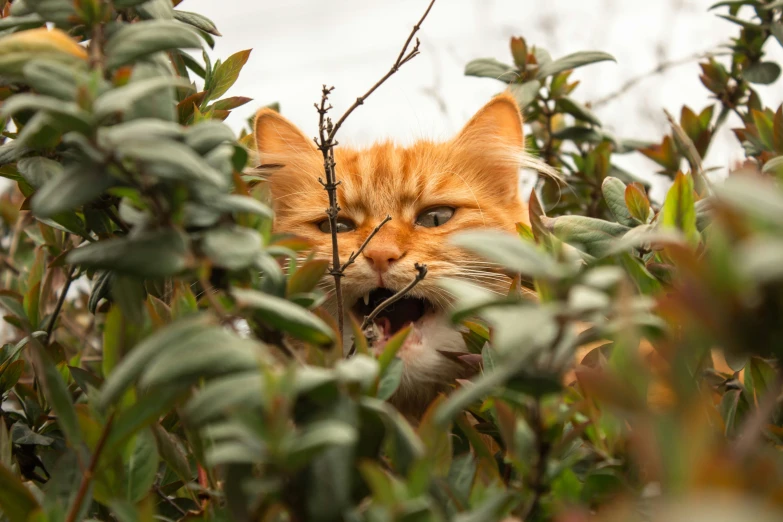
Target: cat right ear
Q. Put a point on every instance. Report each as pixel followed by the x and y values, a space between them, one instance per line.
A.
pixel 277 138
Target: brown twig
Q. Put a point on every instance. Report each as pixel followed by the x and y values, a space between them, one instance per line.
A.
pixel 659 69
pixel 421 273
pixel 9 265
pixel 170 502
pixel 402 59
pixel 325 141
pixel 220 310
pixel 89 472
pixel 60 302
pixel 117 220
pixel 356 254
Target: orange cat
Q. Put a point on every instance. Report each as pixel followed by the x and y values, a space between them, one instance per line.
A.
pixel 432 191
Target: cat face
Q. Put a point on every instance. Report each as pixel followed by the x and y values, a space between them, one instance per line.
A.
pixel 432 191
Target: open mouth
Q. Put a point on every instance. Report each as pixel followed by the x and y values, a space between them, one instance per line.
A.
pixel 394 317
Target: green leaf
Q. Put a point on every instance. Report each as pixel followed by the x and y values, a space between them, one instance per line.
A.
pixel 67 114
pixel 777 32
pixel 134 41
pixel 173 454
pixel 491 68
pixel 762 73
pixel 494 508
pixel 140 129
pixel 390 380
pixel 122 99
pixel 360 368
pixel 22 434
pixel 741 22
pixel 307 276
pixel 315 438
pixel 141 467
pixel 38 170
pixel 227 73
pixel 572 61
pixel 525 93
pixel 509 251
pixel 57 395
pixel 233 247
pixel 391 348
pixel 774 166
pixel 595 237
pixel 206 135
pixel 60 12
pixel 637 203
pixel 144 412
pixel 76 186
pixel 577 110
pixel 155 253
pixel 55 79
pixel 225 394
pixel 9 375
pixel 754 197
pixel 482 386
pixel 198 21
pixel 16 501
pixel 155 9
pixel 237 203
pixel 461 474
pixel 172 160
pixel 28 21
pixel 614 194
pixel 227 104
pixel 198 358
pixel 286 316
pixel 133 364
pixel 678 210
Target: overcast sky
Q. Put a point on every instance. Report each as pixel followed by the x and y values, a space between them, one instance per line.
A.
pixel 300 44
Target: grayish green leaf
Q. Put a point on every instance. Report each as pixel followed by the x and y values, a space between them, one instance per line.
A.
pixel 572 61
pixel 491 68
pixel 156 253
pixel 123 98
pixel 286 316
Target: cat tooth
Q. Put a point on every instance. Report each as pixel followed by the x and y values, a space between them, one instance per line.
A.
pixel 367 299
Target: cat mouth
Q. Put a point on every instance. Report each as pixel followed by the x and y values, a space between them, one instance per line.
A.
pixel 394 317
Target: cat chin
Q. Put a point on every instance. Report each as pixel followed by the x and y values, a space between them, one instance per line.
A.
pixel 426 372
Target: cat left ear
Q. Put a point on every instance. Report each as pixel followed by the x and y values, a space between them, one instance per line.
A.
pixel 277 138
pixel 498 122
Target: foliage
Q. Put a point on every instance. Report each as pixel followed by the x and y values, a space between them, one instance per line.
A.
pixel 169 390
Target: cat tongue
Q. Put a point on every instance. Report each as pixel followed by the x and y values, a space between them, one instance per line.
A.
pixel 384 325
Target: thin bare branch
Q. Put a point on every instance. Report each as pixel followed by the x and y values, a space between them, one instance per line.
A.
pixel 326 142
pixel 402 59
pixel 356 254
pixel 659 69
pixel 89 473
pixel 421 273
pixel 59 305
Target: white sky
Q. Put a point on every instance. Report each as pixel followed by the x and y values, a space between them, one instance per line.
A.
pixel 300 44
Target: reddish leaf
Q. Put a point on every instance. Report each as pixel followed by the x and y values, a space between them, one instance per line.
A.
pixel 637 202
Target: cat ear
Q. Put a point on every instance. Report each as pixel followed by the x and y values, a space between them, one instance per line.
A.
pixel 278 138
pixel 498 122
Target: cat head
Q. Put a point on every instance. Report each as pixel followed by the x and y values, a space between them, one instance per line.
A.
pixel 432 191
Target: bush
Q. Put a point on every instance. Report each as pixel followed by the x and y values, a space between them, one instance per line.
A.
pixel 170 392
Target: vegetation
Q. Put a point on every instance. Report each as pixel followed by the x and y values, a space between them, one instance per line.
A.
pixel 142 401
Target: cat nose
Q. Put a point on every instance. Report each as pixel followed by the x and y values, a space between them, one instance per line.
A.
pixel 381 256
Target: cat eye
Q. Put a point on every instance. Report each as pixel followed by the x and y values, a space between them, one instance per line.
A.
pixel 343 225
pixel 435 216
